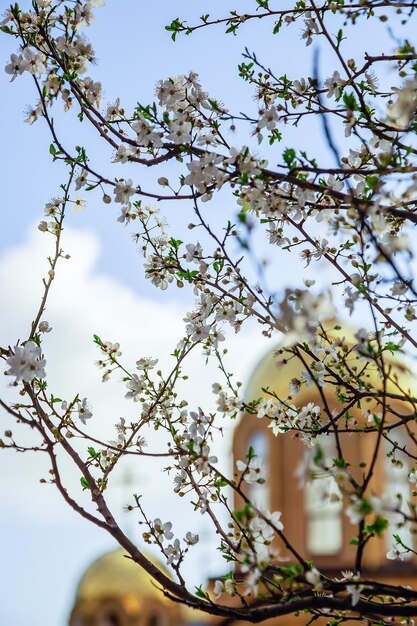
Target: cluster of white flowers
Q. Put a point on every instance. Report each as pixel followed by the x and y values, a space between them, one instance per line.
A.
pixel 26 363
pixel 302 310
pixel 54 211
pixel 157 271
pixel 29 61
pixel 220 587
pixel 252 470
pixel 228 404
pixel 193 448
pixel 146 135
pixel 160 532
pixel 120 442
pixel 311 28
pixel 206 173
pixel 37 58
pixel 182 94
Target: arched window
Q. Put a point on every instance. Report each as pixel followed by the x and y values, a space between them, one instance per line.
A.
pixel 323 503
pixel 258 493
pixel 397 489
pixel 156 619
pixel 111 614
pixel 110 619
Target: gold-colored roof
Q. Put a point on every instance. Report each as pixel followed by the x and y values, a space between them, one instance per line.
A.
pixel 272 373
pixel 115 575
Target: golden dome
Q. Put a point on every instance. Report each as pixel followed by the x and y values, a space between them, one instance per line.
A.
pixel 115 575
pixel 276 369
pixel 115 591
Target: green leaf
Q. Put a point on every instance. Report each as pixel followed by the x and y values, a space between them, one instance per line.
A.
pixel 175 243
pixel 52 149
pixel 221 483
pixel 392 347
pixel 15 9
pixel 277 27
pixel 243 513
pixel 289 157
pixel 84 483
pixel 70 76
pixel 350 101
pixel 251 453
pixel 365 507
pixel 200 593
pixel 274 136
pixel 188 275
pixel 175 27
pixel 372 182
pixel 232 29
pixel 6 30
pixel 377 528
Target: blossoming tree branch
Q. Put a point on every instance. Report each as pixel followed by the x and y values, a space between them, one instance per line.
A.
pixel 355 216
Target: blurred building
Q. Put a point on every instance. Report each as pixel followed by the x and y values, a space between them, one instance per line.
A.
pixel 116 592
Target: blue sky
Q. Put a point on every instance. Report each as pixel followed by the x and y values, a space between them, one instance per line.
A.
pixel 44 545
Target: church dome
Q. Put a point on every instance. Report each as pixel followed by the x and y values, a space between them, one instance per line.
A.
pixel 277 368
pixel 114 574
pixel 115 591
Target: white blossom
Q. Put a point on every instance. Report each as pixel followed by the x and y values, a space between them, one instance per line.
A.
pixel 173 552
pixel 135 385
pixel 313 577
pixel 253 470
pixel 162 530
pixel 26 363
pixel 84 411
pixel 396 554
pixel 333 85
pixel 191 539
pixel 123 190
pixel 17 65
pixel 311 28
pixel 355 593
